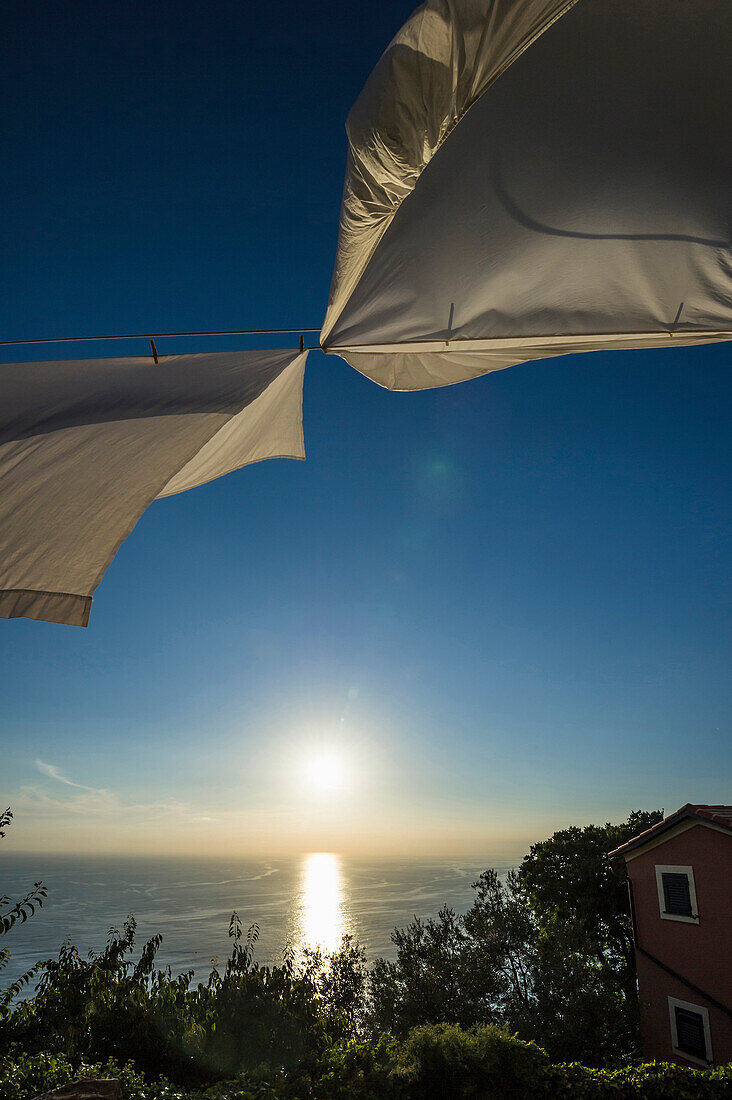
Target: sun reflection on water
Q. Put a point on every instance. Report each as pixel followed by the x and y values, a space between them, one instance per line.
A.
pixel 322 920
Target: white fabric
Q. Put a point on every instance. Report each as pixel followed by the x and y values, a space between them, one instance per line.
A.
pixel 435 68
pixel 521 170
pixel 426 366
pixel 87 445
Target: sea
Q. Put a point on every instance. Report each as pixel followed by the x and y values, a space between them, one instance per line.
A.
pixel 310 901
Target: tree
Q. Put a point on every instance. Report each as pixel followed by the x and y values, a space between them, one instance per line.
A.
pixel 434 979
pixel 547 953
pixel 11 913
pixel 502 935
pixel 570 882
pixel 340 979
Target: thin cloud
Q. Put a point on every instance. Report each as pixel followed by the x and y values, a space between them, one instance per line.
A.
pixel 98 801
pixel 53 773
pixel 38 802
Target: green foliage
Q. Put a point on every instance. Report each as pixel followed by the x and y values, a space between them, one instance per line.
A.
pixel 650 1081
pixel 442 1062
pixel 23 1077
pixel 519 997
pixel 550 945
pixel 480 1061
pixel 109 1006
pixel 12 913
pixel 502 930
pixel 26 907
pixel 570 883
pixel 362 1068
pixel 432 980
pixel 432 1063
pixel 341 981
pixel 585 966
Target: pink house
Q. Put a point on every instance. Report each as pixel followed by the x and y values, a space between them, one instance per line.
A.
pixel 680 885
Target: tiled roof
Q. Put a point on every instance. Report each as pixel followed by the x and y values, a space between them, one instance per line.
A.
pixel 718 815
pixel 721 814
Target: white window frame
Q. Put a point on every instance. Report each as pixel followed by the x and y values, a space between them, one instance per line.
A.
pixel 669 870
pixel 673 1003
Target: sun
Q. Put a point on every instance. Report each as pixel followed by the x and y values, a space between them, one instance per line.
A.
pixel 325 771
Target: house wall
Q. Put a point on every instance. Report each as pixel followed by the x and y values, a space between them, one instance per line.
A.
pixel 700 952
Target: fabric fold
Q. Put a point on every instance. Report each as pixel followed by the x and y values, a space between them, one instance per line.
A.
pixel 87 445
pixel 399 368
pixel 434 69
pixel 522 172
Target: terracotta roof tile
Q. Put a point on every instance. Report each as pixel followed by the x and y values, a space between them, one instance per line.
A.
pixel 718 815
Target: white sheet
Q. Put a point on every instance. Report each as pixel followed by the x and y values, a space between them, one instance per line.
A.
pixel 522 172
pixel 87 445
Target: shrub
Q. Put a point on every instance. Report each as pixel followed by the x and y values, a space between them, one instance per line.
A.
pixel 442 1062
pixel 24 1076
pixel 245 1018
pixel 362 1068
pixel 650 1081
pixel 446 1060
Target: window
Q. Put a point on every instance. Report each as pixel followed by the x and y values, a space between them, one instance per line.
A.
pixel 677 894
pixel 690 1032
pixel 690 1035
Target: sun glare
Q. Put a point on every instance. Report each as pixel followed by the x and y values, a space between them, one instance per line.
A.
pixel 321 916
pixel 326 771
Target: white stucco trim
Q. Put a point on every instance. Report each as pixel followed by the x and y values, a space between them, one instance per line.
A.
pixel 676 870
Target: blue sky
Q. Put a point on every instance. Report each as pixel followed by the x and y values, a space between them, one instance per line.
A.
pixel 505 604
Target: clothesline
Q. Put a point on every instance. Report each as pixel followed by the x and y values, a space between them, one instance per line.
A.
pixel 155 335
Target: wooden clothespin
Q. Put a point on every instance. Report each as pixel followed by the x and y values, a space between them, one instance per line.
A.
pixel 302 343
pixel 154 350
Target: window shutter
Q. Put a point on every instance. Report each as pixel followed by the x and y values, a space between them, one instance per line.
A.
pixel 676 895
pixel 690 1033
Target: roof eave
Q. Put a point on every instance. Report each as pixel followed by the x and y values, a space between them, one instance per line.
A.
pixel 683 814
